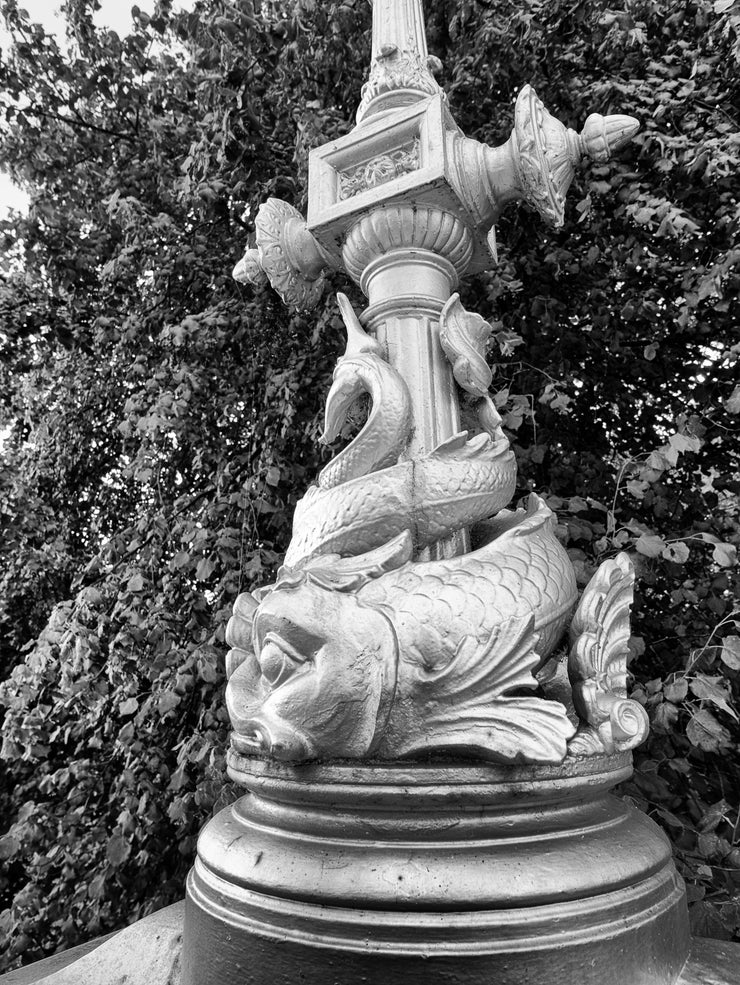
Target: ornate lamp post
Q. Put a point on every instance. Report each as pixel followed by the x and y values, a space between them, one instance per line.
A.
pixel 427 732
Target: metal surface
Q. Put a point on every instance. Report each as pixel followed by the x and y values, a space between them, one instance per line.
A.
pixel 396 873
pixel 385 636
pixel 711 962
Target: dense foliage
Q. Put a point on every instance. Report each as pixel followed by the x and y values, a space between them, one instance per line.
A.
pixel 158 421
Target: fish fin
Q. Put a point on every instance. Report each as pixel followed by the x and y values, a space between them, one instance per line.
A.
pixel 454 443
pixel 466 702
pixel 462 446
pixel 516 523
pixel 463 336
pixel 513 730
pixel 537 514
pixel 348 574
pixel 480 672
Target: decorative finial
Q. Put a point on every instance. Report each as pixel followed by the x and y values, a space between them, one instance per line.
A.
pixel 400 70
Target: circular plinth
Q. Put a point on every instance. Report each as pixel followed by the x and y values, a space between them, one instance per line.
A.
pixel 437 872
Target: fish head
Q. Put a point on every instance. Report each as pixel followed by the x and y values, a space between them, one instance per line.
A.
pixel 322 677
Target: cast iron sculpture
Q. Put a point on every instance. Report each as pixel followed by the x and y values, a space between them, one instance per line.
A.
pixel 425 716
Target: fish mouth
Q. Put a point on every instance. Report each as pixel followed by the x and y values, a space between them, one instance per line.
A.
pixel 265 736
pixel 347 388
pixel 262 731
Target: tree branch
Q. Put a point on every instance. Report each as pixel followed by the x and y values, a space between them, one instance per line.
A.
pixel 80 122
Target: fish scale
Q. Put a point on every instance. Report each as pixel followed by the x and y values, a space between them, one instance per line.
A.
pixel 460 482
pixel 522 572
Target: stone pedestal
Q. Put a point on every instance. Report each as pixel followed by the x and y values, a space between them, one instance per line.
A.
pixel 441 872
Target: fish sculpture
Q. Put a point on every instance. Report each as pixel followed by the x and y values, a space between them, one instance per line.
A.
pixel 363 650
pixel 379 655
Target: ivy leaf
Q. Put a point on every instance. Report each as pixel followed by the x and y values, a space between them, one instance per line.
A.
pixel 704 919
pixel 9 846
pixel 177 811
pixel 708 689
pixel 713 817
pixel 684 442
pixel 128 707
pixel 662 458
pixel 167 701
pixel 205 569
pixel 665 717
pixel 732 403
pixel 637 488
pixel 96 888
pixel 705 732
pixel 678 552
pixel 676 690
pixel 730 654
pixel 670 818
pixel 136 583
pixel 117 850
pixel 725 555
pixel 650 545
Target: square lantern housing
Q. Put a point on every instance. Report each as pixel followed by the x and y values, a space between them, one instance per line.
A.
pixel 402 156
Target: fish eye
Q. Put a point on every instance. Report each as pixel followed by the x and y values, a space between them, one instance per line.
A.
pixel 278 662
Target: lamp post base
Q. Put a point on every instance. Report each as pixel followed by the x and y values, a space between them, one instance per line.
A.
pixel 436 873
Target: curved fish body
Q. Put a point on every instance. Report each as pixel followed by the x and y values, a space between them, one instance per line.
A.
pixel 378 445
pixel 459 483
pixel 523 572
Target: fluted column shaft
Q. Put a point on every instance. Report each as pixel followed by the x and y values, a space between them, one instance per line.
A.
pixel 398 23
pixel 407 262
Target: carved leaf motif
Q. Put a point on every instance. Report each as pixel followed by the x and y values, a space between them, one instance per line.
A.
pixel 535 173
pixel 468 708
pixel 398 69
pixel 600 630
pixel 597 663
pixel 370 174
pixel 271 223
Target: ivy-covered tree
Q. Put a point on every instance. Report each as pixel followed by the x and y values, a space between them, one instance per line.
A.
pixel 159 421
